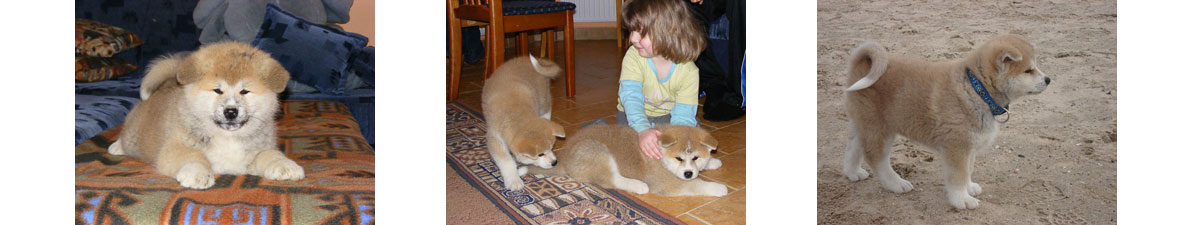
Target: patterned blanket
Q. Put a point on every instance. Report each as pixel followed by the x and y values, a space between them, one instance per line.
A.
pixel 321 136
pixel 545 199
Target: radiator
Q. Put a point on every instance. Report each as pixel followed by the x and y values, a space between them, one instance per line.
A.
pixel 595 10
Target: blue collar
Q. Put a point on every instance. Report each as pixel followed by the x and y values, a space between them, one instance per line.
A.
pixel 979 89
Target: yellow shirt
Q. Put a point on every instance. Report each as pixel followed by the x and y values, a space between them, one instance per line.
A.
pixel 681 86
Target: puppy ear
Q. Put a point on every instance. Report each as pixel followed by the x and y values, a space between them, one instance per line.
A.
pixel 1006 57
pixel 666 140
pixel 189 71
pixel 276 77
pixel 709 142
pixel 557 129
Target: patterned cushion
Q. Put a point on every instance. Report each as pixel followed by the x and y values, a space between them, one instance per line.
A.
pixel 90 69
pixel 315 55
pixel 102 40
pixel 164 26
pixel 94 114
pixel 512 8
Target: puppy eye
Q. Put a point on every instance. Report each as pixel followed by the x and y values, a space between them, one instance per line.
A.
pixel 244 92
pixel 714 151
pixel 680 159
pixel 218 91
pixel 540 155
pixel 694 158
pixel 1029 71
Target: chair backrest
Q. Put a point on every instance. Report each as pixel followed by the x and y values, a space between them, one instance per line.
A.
pixel 477 10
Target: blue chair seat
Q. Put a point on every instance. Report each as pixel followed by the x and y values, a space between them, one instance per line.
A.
pixel 513 8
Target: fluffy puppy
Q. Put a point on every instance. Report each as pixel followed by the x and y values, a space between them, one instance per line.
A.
pixel 951 107
pixel 516 105
pixel 209 112
pixel 608 155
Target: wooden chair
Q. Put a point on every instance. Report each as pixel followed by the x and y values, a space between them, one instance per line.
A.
pixel 502 17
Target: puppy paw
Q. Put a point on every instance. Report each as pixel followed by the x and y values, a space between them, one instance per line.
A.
pixel 898 186
pixel 713 164
pixel 974 189
pixel 284 170
pixel 194 176
pixel 115 148
pixel 521 171
pixel 513 183
pixel 637 186
pixel 961 200
pixel 714 189
pixel 855 174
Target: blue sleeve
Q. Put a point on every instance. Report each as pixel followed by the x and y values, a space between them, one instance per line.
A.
pixel 630 95
pixel 683 114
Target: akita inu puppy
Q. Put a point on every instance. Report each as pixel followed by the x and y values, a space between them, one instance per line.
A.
pixel 948 106
pixel 608 155
pixel 516 105
pixel 209 112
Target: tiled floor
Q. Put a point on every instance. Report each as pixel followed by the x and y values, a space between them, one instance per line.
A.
pixel 597 69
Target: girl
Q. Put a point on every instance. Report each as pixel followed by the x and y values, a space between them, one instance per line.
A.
pixel 659 82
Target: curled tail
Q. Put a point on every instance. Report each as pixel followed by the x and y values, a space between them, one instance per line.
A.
pixel 160 71
pixel 545 67
pixel 877 55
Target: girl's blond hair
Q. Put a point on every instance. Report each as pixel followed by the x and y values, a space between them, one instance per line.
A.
pixel 676 34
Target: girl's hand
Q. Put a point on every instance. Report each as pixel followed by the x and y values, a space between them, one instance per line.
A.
pixel 648 140
pixel 700 1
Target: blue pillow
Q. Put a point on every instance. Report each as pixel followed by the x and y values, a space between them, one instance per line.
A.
pixel 313 54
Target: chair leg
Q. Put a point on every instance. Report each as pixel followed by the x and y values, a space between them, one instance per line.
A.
pixel 456 60
pixel 496 45
pixel 523 44
pixel 569 42
pixel 550 44
pixel 620 35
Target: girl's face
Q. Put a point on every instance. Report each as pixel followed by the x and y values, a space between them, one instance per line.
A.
pixel 642 44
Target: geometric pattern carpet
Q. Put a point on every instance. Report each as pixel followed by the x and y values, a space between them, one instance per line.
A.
pixel 322 136
pixel 545 199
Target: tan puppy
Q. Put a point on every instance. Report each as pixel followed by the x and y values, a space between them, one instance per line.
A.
pixel 934 103
pixel 516 105
pixel 608 155
pixel 210 112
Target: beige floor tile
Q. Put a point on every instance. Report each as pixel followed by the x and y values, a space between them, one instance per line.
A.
pixel 730 209
pixel 674 205
pixel 732 172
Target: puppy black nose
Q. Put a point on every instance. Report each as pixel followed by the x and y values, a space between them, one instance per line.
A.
pixel 555 163
pixel 1047 80
pixel 687 174
pixel 231 113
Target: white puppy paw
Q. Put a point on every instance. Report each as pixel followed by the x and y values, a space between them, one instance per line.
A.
pixel 115 148
pixel 636 186
pixel 513 183
pixel 855 174
pixel 285 169
pixel 714 189
pixel 194 176
pixel 961 200
pixel 521 171
pixel 974 189
pixel 896 186
pixel 713 164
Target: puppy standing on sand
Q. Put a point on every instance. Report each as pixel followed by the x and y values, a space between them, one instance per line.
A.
pixel 210 112
pixel 516 105
pixel 951 107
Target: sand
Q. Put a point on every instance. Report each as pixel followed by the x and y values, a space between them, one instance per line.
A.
pixel 1054 161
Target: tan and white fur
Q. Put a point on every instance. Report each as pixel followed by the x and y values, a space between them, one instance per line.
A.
pixel 516 105
pixel 209 112
pixel 933 103
pixel 608 155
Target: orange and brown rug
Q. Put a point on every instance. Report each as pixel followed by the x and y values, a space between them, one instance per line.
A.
pixel 338 185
